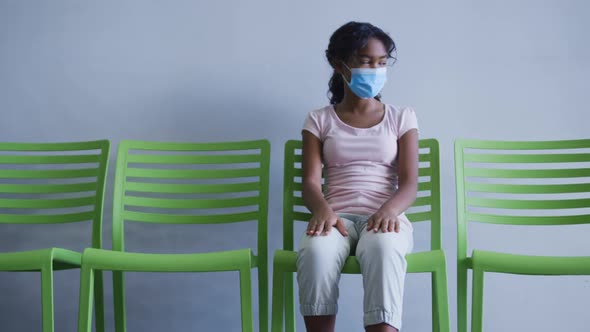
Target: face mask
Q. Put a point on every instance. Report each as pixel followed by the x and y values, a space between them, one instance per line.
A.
pixel 366 82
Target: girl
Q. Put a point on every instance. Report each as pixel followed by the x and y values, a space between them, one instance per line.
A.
pixel 369 153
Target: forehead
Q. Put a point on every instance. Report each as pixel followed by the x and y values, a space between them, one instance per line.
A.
pixel 374 48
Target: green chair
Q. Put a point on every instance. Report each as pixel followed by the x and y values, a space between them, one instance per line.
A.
pixel 485 174
pixel 53 183
pixel 433 261
pixel 153 175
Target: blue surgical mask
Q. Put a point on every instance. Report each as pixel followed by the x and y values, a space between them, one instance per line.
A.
pixel 367 82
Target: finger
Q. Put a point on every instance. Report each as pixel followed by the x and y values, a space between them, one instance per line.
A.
pixel 370 223
pixel 376 225
pixel 390 226
pixel 327 229
pixel 319 227
pixel 384 226
pixel 310 227
pixel 341 228
pixel 397 226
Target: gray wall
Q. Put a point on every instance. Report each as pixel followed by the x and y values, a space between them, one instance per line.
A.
pixel 233 70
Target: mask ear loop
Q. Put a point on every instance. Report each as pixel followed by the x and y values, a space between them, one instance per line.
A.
pixel 344 77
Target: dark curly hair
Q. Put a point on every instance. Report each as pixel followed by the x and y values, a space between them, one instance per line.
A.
pixel 344 43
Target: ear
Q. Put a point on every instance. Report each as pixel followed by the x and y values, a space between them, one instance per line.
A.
pixel 337 65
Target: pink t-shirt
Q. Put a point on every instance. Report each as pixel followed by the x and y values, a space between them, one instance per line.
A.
pixel 360 164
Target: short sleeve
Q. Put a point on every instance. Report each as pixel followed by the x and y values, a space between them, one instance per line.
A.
pixel 406 120
pixel 312 124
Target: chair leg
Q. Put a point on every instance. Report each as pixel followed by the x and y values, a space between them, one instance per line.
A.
pixel 477 301
pixel 119 301
pixel 441 300
pixel 246 299
pixel 289 302
pixel 278 292
pixel 47 297
pixel 86 295
pixel 461 298
pixel 99 301
pixel 435 309
pixel 263 299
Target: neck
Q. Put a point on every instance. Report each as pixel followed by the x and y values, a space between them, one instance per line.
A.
pixel 352 103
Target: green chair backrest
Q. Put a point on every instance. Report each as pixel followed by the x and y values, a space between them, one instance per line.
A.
pixel 487 171
pixel 160 175
pixel 53 183
pixel 428 201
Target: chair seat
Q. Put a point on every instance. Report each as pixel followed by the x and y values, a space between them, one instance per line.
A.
pixel 491 261
pixel 426 261
pixel 231 260
pixel 35 260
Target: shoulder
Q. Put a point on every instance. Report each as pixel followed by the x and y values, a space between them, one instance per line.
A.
pixel 403 118
pixel 320 113
pixel 400 111
pixel 318 121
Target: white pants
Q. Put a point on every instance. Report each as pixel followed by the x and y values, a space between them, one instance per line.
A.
pixel 383 265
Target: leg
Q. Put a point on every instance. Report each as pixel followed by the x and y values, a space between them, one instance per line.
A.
pixel 435 309
pixel 47 297
pixel 440 288
pixel 263 297
pixel 99 301
pixel 289 302
pixel 320 323
pixel 85 306
pixel 383 265
pixel 319 264
pixel 461 297
pixel 477 305
pixel 278 297
pixel 119 299
pixel 380 328
pixel 246 299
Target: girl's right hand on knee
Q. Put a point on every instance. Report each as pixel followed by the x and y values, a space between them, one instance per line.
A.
pixel 322 223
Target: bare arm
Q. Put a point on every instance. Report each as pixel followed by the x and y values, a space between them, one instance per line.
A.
pixel 323 217
pixel 386 218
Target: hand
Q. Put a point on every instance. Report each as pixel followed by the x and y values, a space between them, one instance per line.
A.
pixel 383 221
pixel 322 223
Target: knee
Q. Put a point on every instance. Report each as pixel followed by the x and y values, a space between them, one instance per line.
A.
pixel 381 246
pixel 321 253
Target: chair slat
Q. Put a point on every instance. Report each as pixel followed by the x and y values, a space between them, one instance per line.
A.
pixel 301 216
pixel 528 188
pixel 46 219
pixel 49 174
pixel 523 145
pixel 193 159
pixel 527 173
pixel 128 145
pixel 422 201
pixel 527 158
pixel 527 220
pixel 36 203
pixel 50 159
pixel 191 203
pixel 183 188
pixel 528 204
pixel 26 188
pixel 419 216
pixel 164 218
pixel 44 147
pixel 192 173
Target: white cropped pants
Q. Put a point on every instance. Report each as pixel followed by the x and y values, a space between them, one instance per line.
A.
pixel 383 265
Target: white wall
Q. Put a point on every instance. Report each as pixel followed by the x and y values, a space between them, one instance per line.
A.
pixel 232 70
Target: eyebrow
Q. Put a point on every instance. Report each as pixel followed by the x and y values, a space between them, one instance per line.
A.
pixel 369 57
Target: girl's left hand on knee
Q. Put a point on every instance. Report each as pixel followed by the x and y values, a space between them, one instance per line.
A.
pixel 382 221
